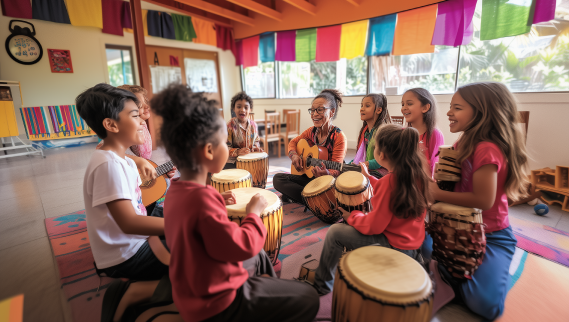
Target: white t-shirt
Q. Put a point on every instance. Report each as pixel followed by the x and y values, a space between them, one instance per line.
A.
pixel 109 177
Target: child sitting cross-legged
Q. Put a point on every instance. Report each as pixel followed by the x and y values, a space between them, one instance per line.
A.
pixel 218 269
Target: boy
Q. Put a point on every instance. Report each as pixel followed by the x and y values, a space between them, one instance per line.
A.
pixel 117 221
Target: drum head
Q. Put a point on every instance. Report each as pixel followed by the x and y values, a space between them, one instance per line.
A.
pixel 447 208
pixel 351 181
pixel 244 195
pixel 318 185
pixel 253 156
pixel 230 175
pixel 386 275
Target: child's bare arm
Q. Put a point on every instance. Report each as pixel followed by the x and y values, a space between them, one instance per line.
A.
pixel 131 223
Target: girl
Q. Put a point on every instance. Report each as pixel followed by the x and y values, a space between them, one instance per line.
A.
pixel 373 112
pixel 324 109
pixel 494 168
pixel 420 111
pixel 399 205
pixel 242 133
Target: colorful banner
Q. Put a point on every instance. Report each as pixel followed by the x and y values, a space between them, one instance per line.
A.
pixel 286 46
pixel 414 31
pixel 126 18
pixel 250 51
pixel 504 18
pixel 50 10
pixel 328 43
pixel 305 45
pixel 238 53
pixel 184 28
pixel 144 23
pixel 224 37
pixel 12 309
pixel 87 13
pixel 353 39
pixel 205 32
pixel 380 35
pixel 454 23
pixel 112 17
pixel 267 47
pixel 544 10
pixel 17 9
pixel 54 122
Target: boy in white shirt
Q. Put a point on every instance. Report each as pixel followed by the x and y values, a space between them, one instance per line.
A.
pixel 117 221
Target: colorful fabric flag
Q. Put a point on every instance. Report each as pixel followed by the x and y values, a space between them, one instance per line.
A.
pixel 112 17
pixel 380 35
pixel 286 46
pixel 328 43
pixel 544 10
pixel 167 26
pixel 12 309
pixel 154 24
pixel 238 53
pixel 353 39
pixel 414 31
pixel 17 9
pixel 224 37
pixel 454 23
pixel 205 32
pixel 504 18
pixel 85 13
pixel 250 51
pixel 144 23
pixel 50 10
pixel 126 17
pixel 267 47
pixel 184 29
pixel 305 45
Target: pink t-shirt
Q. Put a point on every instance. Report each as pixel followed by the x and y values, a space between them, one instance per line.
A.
pixel 495 218
pixel 431 147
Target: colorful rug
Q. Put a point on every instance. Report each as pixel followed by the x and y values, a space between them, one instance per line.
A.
pixel 542 240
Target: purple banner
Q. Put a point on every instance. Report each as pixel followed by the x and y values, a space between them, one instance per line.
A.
pixel 286 46
pixel 454 23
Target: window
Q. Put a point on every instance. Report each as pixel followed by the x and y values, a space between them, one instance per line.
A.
pixel 119 64
pixel 259 81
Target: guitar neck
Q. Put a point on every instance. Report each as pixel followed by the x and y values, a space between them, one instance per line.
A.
pixel 164 168
pixel 332 165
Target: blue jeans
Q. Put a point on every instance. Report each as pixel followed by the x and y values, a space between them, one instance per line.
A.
pixel 338 237
pixel 486 292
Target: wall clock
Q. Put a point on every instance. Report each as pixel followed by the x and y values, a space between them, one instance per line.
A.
pixel 22 46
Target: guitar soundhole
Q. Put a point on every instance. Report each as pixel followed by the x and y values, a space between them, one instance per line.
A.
pixel 147 184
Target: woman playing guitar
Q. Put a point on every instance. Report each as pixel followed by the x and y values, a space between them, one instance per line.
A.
pixel 324 109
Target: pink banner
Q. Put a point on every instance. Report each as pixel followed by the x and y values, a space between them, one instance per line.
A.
pixel 286 46
pixel 544 11
pixel 250 51
pixel 454 23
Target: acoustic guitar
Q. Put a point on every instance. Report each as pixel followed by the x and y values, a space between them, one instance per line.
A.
pixel 154 189
pixel 313 155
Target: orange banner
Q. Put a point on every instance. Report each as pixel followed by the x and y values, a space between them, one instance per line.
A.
pixel 414 31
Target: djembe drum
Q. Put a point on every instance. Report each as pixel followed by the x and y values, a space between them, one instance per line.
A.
pixel 447 171
pixel 353 191
pixel 257 163
pixel 458 236
pixel 319 197
pixel 231 179
pixel 375 283
pixel 272 216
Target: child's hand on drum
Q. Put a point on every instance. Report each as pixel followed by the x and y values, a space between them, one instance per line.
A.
pixel 365 171
pixel 229 197
pixel 345 214
pixel 243 151
pixel 255 149
pixel 257 204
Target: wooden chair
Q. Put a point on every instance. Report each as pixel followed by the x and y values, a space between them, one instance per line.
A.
pixel 524 121
pixel 252 116
pixel 272 131
pixel 398 120
pixel 292 120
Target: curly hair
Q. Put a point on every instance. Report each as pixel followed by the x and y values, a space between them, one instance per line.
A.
pixel 239 97
pixel 135 89
pixel 189 122
pixel 100 102
pixel 333 97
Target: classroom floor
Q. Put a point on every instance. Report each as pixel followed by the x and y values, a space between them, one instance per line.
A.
pixel 32 189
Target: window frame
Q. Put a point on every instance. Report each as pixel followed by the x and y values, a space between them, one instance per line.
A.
pixel 123 47
pixel 275 81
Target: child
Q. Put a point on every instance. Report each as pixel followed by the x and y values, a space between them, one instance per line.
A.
pixel 420 111
pixel 242 133
pixel 117 222
pixel 494 167
pixel 373 112
pixel 218 269
pixel 399 205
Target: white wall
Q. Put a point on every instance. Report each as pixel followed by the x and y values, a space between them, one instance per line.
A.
pixel 548 132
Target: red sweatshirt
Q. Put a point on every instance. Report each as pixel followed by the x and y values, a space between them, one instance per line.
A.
pixel 206 249
pixel 406 234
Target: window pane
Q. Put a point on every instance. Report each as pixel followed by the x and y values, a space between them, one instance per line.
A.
pixel 260 80
pixel 309 79
pixel 536 61
pixel 120 67
pixel 434 72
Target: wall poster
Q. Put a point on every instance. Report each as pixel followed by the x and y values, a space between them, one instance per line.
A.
pixel 60 60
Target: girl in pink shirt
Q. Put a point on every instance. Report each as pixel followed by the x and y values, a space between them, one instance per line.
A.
pixel 399 205
pixel 494 167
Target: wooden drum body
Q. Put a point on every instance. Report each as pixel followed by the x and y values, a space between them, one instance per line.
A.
pixel 272 216
pixel 231 179
pixel 353 191
pixel 319 196
pixel 447 171
pixel 459 242
pixel 257 163
pixel 375 283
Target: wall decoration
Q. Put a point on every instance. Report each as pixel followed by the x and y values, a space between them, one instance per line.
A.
pixel 162 76
pixel 201 75
pixel 22 46
pixel 60 60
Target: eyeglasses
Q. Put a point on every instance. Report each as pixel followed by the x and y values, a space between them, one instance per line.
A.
pixel 319 110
